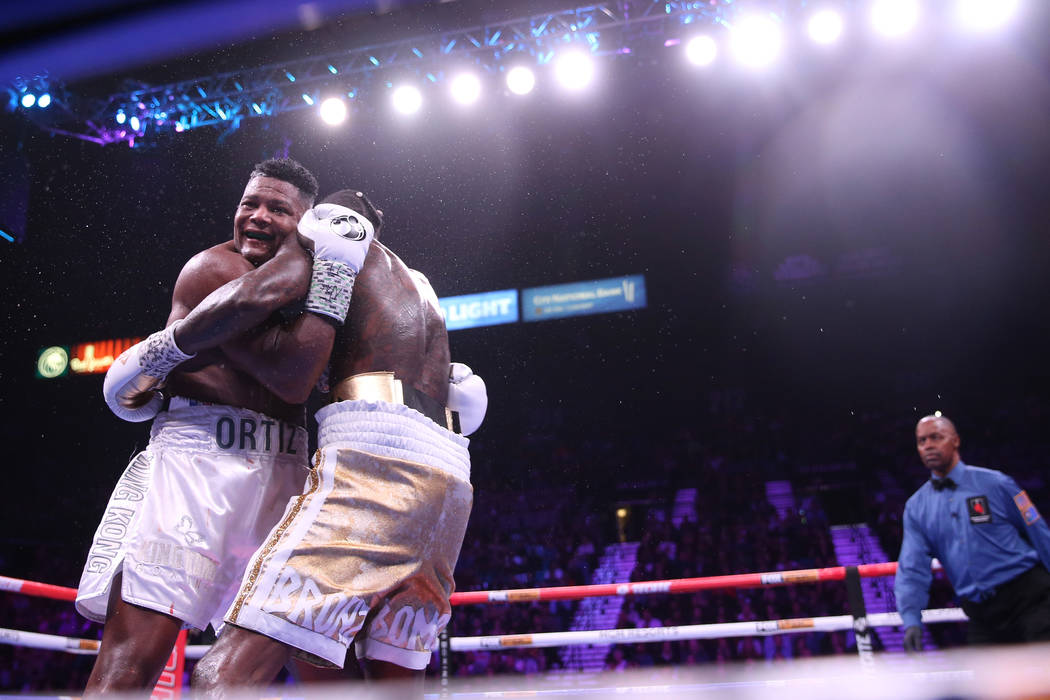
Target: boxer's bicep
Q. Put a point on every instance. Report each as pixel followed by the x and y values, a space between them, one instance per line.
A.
pixel 287 359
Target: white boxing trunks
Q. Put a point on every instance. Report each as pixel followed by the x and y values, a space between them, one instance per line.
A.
pixel 191 509
pixel 369 549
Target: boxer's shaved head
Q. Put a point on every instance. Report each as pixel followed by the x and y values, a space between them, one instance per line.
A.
pixel 357 201
pixel 292 172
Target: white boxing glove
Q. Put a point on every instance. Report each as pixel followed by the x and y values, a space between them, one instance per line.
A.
pixel 339 233
pixel 341 239
pixel 138 372
pixel 467 396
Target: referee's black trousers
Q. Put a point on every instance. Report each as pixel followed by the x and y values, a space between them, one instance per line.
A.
pixel 1018 612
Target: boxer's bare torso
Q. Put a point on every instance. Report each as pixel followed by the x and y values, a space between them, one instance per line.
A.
pixel 211 376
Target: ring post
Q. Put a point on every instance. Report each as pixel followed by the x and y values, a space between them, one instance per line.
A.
pixel 861 628
pixel 443 657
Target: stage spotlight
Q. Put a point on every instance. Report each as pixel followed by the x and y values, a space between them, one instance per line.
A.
pixel 894 18
pixel 756 41
pixel 701 51
pixel 333 111
pixel 407 99
pixel 44 101
pixel 28 100
pixel 574 70
pixel 466 88
pixel 520 80
pixel 121 117
pixel 825 27
pixel 134 123
pixel 983 15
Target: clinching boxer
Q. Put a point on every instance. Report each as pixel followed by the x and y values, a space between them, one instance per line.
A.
pixel 225 452
pixel 365 555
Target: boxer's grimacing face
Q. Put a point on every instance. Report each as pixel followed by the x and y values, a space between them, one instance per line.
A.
pixel 268 212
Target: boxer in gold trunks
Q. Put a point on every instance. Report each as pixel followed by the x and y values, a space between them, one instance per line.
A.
pixel 366 554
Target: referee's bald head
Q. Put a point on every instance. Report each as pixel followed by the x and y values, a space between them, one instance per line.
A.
pixel 944 421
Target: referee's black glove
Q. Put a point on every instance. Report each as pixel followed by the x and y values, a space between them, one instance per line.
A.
pixel 913 639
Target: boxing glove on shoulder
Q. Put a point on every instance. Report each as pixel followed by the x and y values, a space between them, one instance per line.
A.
pixel 341 238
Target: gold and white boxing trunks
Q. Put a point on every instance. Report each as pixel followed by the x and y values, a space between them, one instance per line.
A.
pixel 369 549
pixel 190 510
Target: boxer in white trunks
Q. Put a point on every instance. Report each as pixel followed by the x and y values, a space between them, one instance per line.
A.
pixel 225 453
pixel 365 555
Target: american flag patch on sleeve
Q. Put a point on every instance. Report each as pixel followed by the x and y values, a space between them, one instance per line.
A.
pixel 1028 511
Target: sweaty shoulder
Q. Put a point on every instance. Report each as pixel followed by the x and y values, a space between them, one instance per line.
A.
pixel 204 273
pixel 219 261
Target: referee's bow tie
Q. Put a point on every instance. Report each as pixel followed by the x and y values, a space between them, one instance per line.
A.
pixel 941 484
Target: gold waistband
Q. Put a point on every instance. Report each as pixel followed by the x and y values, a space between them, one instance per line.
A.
pixel 370 386
pixel 384 386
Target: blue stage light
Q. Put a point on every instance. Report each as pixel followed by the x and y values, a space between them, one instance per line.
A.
pixel 43 101
pixel 28 100
pixel 134 123
pixel 121 117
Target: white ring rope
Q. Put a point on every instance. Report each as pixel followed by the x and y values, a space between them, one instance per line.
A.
pixel 758 628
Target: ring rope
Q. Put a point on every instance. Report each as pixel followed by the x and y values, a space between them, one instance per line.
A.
pixel 524 595
pixel 758 628
pixel 40 590
pixel 681 585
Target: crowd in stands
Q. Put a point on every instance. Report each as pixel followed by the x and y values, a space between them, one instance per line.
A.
pixel 749 537
pixel 549 520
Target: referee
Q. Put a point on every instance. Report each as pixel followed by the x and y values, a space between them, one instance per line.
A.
pixel 991 540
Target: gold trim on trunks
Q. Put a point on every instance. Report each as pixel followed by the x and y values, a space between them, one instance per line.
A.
pixel 248 586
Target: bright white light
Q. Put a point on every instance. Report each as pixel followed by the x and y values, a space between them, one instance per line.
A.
pixel 121 117
pixel 333 111
pixel 134 123
pixel 574 70
pixel 825 27
pixel 44 101
pixel 701 50
pixel 756 41
pixel 28 100
pixel 466 88
pixel 894 18
pixel 407 99
pixel 987 15
pixel 521 80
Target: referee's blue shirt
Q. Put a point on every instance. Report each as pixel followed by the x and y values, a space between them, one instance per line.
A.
pixel 985 532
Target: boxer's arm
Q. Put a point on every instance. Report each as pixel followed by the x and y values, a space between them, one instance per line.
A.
pixel 286 359
pixel 130 387
pixel 242 302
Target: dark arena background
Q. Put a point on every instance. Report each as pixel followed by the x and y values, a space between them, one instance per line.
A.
pixel 828 241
